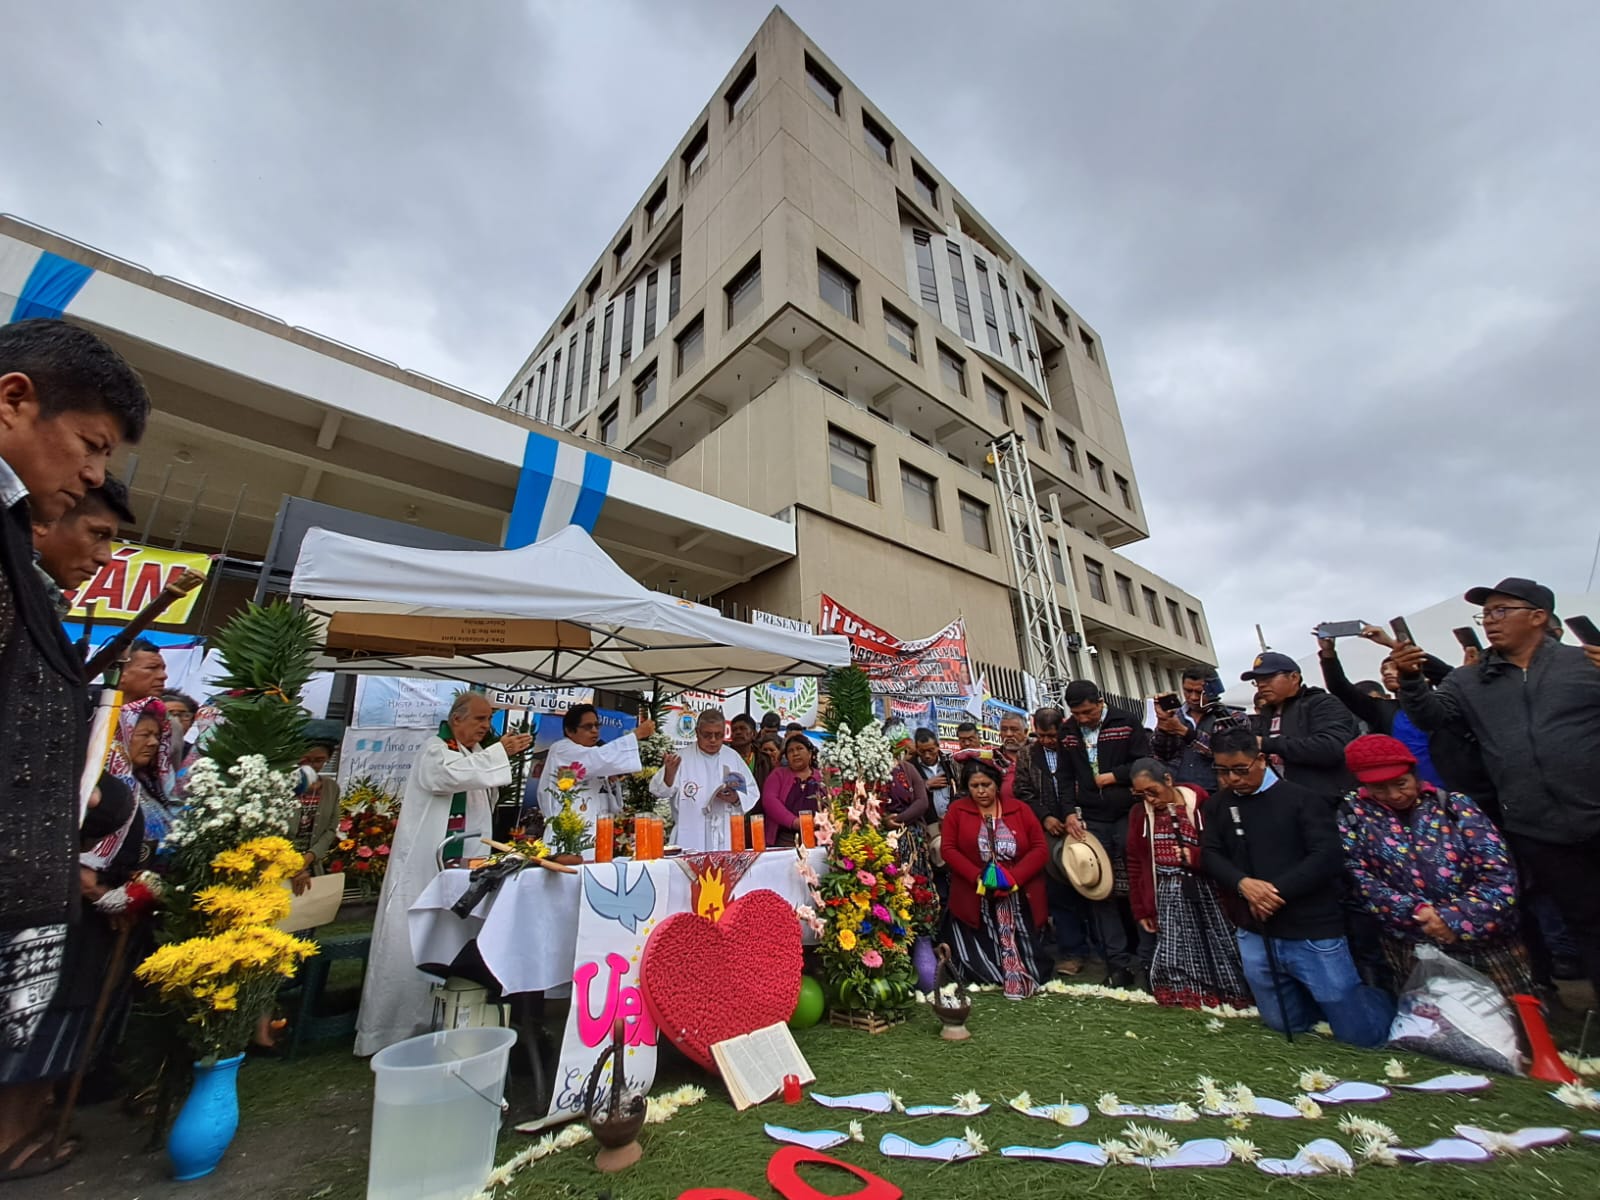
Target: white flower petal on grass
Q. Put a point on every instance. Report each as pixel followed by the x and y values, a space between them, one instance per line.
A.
pixel 1372 1150
pixel 1214 1025
pixel 1322 1029
pixel 1325 1162
pixel 895 1102
pixel 1117 1152
pixel 1395 1069
pixel 1308 1108
pixel 1365 1127
pixel 1242 1098
pixel 1575 1095
pixel 854 1130
pixel 1316 1080
pixel 968 1102
pixel 1238 1121
pixel 1022 1102
pixel 1183 1111
pixel 1147 1141
pixel 1108 1104
pixel 1212 1098
pixel 969 1135
pixel 1242 1148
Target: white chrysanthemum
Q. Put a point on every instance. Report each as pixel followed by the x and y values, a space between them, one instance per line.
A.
pixel 1334 1166
pixel 895 1102
pixel 1214 1025
pixel 1183 1111
pixel 1370 1150
pixel 1149 1142
pixel 1322 1029
pixel 1117 1152
pixel 1365 1127
pixel 1212 1097
pixel 854 1130
pixel 1108 1104
pixel 1316 1080
pixel 1395 1069
pixel 1575 1095
pixel 1238 1121
pixel 970 1136
pixel 1308 1108
pixel 1242 1098
pixel 1022 1102
pixel 1242 1148
pixel 968 1102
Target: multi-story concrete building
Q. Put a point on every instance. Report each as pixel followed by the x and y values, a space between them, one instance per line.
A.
pixel 804 315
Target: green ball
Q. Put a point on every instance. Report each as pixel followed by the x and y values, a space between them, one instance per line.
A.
pixel 807 1009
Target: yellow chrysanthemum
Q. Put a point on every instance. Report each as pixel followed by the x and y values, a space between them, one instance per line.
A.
pixel 263 860
pixel 228 907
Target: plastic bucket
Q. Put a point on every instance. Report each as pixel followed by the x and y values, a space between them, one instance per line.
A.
pixel 436 1114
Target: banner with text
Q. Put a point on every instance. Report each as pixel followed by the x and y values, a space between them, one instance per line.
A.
pixel 929 667
pixel 383 755
pixel 134 577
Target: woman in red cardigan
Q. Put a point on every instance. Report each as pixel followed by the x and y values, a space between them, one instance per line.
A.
pixel 1197 960
pixel 996 852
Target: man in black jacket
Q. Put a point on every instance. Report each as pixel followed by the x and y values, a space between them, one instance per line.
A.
pixel 1533 705
pixel 1046 783
pixel 1102 745
pixel 1303 729
pixel 1275 847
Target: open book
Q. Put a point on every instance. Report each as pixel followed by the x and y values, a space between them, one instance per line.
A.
pixel 754 1064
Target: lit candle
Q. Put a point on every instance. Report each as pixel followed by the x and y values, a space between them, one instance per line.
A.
pixel 604 833
pixel 808 830
pixel 736 832
pixel 758 834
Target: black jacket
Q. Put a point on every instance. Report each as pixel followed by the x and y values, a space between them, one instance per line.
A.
pixel 1188 754
pixel 1287 836
pixel 1047 793
pixel 1122 740
pixel 1313 731
pixel 1539 730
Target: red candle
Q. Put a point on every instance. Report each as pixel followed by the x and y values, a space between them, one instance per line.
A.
pixel 791 1089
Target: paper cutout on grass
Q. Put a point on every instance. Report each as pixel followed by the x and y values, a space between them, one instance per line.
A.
pixel 1592 1134
pixel 1352 1093
pixel 872 1102
pixel 1447 1150
pixel 1457 1081
pixel 1320 1157
pixel 815 1139
pixel 1069 1115
pixel 944 1110
pixel 1529 1138
pixel 1083 1153
pixel 1159 1112
pixel 1199 1152
pixel 950 1149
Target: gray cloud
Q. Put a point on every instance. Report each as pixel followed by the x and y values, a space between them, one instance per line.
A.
pixel 1343 258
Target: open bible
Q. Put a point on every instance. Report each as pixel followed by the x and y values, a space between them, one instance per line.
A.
pixel 754 1064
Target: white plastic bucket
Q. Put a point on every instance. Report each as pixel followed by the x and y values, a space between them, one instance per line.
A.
pixel 436 1114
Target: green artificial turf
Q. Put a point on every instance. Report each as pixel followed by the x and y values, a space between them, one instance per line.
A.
pixel 1058 1046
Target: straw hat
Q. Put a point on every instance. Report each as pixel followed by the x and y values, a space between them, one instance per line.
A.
pixel 1087 866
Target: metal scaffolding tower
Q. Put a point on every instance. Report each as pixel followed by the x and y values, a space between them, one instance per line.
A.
pixel 1044 652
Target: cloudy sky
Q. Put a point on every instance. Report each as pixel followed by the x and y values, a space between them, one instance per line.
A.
pixel 1345 258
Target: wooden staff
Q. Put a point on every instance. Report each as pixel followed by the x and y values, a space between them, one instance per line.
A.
pixel 86 1055
pixel 113 650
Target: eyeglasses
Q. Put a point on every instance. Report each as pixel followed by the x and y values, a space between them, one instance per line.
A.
pixel 589 725
pixel 1499 611
pixel 1230 772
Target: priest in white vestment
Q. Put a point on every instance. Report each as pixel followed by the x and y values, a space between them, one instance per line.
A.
pixel 394 997
pixel 707 785
pixel 580 746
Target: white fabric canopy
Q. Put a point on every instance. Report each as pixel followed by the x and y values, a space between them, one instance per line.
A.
pixel 636 636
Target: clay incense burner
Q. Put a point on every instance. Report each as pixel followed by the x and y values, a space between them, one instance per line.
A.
pixel 615 1125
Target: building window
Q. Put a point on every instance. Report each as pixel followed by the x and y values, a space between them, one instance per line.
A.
pixel 975 523
pixel 1035 425
pixel 953 370
pixel 606 329
pixel 655 206
pixel 691 344
pixel 674 285
pixel 593 290
pixel 1058 562
pixel 1152 606
pixel 919 493
pixel 837 287
pixel 850 464
pixel 1098 470
pixel 623 254
pixel 744 292
pixel 1062 319
pixel 877 139
pixel 1125 492
pixel 1069 450
pixel 1087 339
pixel 927 189
pixel 627 326
pixel 996 398
pixel 652 293
pixel 1116 667
pixel 608 426
pixel 1176 614
pixel 927 280
pixel 822 85
pixel 958 284
pixel 588 362
pixel 644 389
pixel 1034 293
pixel 538 402
pixel 833 387
pixel 1096 575
pixel 901 332
pixel 1125 592
pixel 986 296
pixel 572 371
pixel 695 154
pixel 1194 626
pixel 743 90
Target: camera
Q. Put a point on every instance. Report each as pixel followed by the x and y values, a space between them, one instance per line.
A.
pixel 1093 652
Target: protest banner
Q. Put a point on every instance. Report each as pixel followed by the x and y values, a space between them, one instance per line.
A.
pixel 927 668
pixel 132 579
pixel 382 755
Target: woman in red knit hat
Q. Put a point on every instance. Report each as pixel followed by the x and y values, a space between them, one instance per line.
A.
pixel 1430 866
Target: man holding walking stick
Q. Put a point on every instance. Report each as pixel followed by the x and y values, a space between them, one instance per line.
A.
pixel 1274 849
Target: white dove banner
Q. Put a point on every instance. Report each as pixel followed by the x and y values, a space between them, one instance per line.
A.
pixel 621 902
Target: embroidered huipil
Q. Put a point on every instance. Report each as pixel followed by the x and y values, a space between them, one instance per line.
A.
pixel 1444 853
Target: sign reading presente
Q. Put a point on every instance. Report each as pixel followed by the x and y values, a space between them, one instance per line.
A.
pixel 134 577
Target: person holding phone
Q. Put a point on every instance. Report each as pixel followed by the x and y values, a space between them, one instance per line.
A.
pixel 1533 704
pixel 1182 736
pixel 1380 714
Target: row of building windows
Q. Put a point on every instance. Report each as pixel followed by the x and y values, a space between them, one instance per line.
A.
pixel 1095 572
pixel 852 468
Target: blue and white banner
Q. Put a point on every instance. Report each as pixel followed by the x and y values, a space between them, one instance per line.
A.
pixel 52 283
pixel 560 485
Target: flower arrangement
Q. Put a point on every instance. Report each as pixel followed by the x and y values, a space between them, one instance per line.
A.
pixel 859 757
pixel 226 807
pixel 368 815
pixel 636 795
pixel 224 979
pixel 568 831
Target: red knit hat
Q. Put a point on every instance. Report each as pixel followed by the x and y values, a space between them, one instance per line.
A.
pixel 1377 758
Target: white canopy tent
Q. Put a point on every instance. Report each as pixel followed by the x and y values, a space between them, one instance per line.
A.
pixel 598 626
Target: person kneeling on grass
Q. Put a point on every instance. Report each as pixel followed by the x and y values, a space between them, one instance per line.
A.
pixel 1196 962
pixel 1275 847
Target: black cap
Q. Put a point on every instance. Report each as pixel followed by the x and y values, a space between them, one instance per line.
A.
pixel 1269 663
pixel 1535 594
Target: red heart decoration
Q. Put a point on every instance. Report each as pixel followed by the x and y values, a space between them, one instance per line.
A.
pixel 706 981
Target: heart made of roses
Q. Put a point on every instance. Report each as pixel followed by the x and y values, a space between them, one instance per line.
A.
pixel 706 981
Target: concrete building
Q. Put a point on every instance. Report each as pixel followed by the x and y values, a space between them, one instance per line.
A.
pixel 804 316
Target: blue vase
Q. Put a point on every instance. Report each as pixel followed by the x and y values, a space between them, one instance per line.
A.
pixel 208 1120
pixel 926 963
